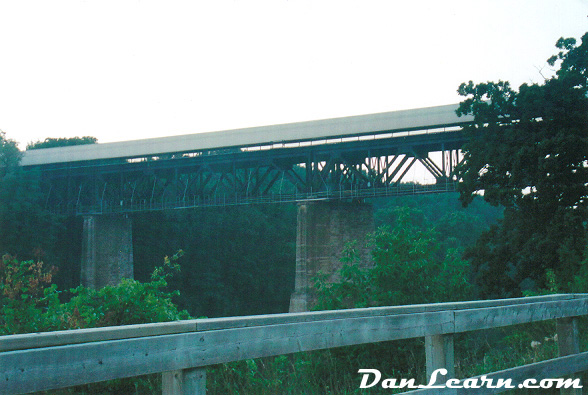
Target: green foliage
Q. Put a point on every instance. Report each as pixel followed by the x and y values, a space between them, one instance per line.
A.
pixel 130 302
pixel 409 267
pixel 528 151
pixel 30 302
pixel 51 142
pixel 26 296
pixel 580 281
pixel 488 351
pixel 455 226
pixel 9 155
pixel 239 260
pixel 26 230
pixel 332 371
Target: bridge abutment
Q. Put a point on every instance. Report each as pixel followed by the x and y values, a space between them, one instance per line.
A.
pixel 323 229
pixel 107 250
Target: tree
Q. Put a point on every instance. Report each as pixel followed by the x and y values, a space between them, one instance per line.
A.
pixel 9 155
pixel 31 302
pixel 51 142
pixel 25 228
pixel 406 258
pixel 528 151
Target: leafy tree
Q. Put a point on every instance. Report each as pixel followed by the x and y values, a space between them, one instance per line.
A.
pixel 528 151
pixel 456 226
pixel 26 293
pixel 129 302
pixel 51 142
pixel 9 155
pixel 410 267
pixel 30 301
pixel 26 229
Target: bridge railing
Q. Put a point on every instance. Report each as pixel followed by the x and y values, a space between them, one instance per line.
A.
pixel 222 200
pixel 182 350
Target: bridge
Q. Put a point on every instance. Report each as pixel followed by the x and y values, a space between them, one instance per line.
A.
pixel 328 167
pixel 341 158
pixel 182 350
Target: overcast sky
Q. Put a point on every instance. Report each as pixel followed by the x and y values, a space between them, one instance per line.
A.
pixel 129 69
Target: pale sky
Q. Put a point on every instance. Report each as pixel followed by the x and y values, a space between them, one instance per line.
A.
pixel 130 69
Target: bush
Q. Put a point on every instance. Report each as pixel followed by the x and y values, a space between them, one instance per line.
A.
pixel 130 302
pixel 27 296
pixel 410 267
pixel 31 303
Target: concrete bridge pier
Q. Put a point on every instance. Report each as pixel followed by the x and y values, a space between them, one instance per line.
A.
pixel 323 230
pixel 107 250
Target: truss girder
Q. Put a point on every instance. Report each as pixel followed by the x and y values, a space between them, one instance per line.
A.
pixel 329 171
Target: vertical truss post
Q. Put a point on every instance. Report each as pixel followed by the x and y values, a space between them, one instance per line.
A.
pixel 309 162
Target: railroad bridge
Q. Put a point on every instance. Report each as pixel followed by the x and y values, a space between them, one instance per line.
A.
pixel 329 167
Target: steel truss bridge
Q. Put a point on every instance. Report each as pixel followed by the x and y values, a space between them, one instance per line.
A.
pixel 341 158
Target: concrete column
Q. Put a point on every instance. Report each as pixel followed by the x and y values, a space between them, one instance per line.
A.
pixel 107 250
pixel 323 230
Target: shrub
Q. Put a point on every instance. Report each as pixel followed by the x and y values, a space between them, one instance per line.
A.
pixel 30 302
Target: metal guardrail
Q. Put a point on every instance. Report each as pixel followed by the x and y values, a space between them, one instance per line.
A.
pixel 182 350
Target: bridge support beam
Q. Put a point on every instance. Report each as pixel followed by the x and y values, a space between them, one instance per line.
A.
pixel 323 230
pixel 107 250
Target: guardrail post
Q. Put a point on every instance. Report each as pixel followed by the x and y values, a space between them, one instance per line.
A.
pixel 568 342
pixel 184 382
pixel 439 353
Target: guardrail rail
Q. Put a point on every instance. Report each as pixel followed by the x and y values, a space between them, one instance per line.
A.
pixel 181 350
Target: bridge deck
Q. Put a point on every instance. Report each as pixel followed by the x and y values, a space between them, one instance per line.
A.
pixel 353 126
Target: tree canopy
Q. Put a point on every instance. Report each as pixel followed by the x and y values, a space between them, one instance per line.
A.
pixel 26 229
pixel 9 155
pixel 51 142
pixel 528 151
